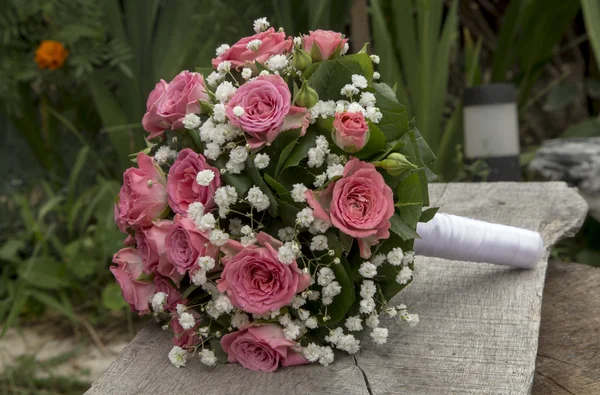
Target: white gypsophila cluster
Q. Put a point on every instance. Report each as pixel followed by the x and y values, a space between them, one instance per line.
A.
pixel 191 121
pixel 207 357
pixel 319 226
pixel 303 314
pixel 379 335
pixel 298 191
pixel 253 45
pixel 343 342
pixel 345 49
pixel 355 108
pixel 222 304
pixel 205 177
pixel 375 59
pixel 311 323
pixel 199 277
pixel 314 353
pixel 305 217
pixel 239 319
pixel 404 276
pixel 367 306
pixel 221 49
pixel 206 262
pixel 158 302
pixel 261 161
pixel 411 319
pixel 207 222
pixel 218 237
pixel 257 199
pixel 317 155
pixel 320 180
pixel 288 252
pixel 225 197
pixel 180 308
pixel 237 160
pixel 204 331
pixel 298 42
pixel 376 75
pixel 319 243
pixel 372 320
pixel 261 24
pixel 367 289
pixel 341 105
pixel 277 62
pixel 214 78
pixel 323 109
pixel 373 114
pixel 297 302
pixel 178 356
pixel 195 212
pixel 395 256
pixel 334 159
pixel 409 257
pixel 330 291
pixel 286 234
pixel 349 90
pixel 164 154
pixel 336 170
pixel 354 323
pixel 367 99
pixel 219 113
pixel 249 237
pixel 212 151
pixel 246 73
pixel 224 67
pixel 235 226
pixel 378 259
pixel 238 111
pixel 325 276
pixel 367 270
pixel 391 312
pixel 264 72
pixel 359 81
pixel 187 321
pixel 292 331
pixel 225 91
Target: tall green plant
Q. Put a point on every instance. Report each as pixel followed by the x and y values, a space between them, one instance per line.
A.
pixel 303 15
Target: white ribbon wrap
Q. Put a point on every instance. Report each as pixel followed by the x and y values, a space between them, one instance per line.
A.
pixel 465 239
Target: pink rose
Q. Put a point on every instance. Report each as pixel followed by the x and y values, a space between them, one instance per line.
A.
pixel 350 131
pixel 150 243
pixel 256 281
pixel 169 103
pixel 272 43
pixel 142 197
pixel 174 298
pixel 182 188
pixel 185 244
pixel 327 43
pixel 261 348
pixel 268 110
pixel 360 205
pixel 129 268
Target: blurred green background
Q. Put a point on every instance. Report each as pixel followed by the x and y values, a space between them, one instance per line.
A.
pixel 67 133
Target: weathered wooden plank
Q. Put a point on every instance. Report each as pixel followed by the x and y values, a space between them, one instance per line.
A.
pixel 478 331
pixel 568 358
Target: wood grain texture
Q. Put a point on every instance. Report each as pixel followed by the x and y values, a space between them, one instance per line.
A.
pixel 568 359
pixel 478 332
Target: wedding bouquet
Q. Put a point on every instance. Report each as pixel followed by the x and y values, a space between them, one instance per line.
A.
pixel 271 219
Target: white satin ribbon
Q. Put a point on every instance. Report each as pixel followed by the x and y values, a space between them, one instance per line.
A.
pixel 465 239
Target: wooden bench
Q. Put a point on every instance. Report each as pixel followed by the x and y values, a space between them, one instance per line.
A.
pixel 478 332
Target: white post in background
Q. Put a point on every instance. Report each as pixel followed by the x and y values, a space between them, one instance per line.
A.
pixel 492 129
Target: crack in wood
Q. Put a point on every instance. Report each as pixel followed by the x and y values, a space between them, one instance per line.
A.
pixel 364 376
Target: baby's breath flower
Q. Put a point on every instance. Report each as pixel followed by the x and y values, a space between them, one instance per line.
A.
pixel 164 154
pixel 207 357
pixel 298 191
pixel 258 199
pixel 191 121
pixel 359 81
pixel 221 49
pixel 379 335
pixel 178 356
pixel 349 90
pixel 261 24
pixel 246 73
pixel 238 111
pixel 375 59
pixel 253 45
pixel 367 270
pixel 261 161
pixel 224 67
pixel 376 75
pixel 305 217
pixel 205 177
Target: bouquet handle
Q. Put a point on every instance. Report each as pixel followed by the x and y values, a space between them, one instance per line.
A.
pixel 466 239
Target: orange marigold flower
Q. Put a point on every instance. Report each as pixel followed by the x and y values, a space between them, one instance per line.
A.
pixel 50 55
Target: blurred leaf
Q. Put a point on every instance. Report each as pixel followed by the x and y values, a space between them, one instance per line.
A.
pixel 587 128
pixel 112 297
pixel 560 96
pixel 50 301
pixel 10 250
pixel 44 272
pixel 592 87
pixel 399 227
pixel 591 17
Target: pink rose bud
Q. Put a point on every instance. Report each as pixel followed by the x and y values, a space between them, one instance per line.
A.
pixel 143 197
pixel 137 293
pixel 323 44
pixel 242 269
pixel 168 104
pixel 360 204
pixel 267 110
pixel 350 131
pixel 182 187
pixel 261 348
pixel 272 43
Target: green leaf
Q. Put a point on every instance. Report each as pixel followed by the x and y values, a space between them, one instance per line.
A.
pixel 394 123
pixel 282 192
pixel 10 250
pixel 428 214
pixel 300 150
pixel 240 182
pixel 44 272
pixel 560 96
pixel 587 128
pixel 385 90
pixel 112 297
pixel 330 76
pixel 410 191
pixel 285 142
pixel 375 145
pixel 287 212
pixel 342 302
pixel 260 182
pixel 592 87
pixel 402 229
pixel 591 16
pixel 50 301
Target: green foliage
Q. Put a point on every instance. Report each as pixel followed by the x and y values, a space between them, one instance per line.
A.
pixel 297 16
